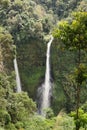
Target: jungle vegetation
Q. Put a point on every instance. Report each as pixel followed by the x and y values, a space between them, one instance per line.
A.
pixel 25 28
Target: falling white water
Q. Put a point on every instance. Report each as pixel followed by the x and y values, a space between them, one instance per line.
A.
pixel 47 84
pixel 17 76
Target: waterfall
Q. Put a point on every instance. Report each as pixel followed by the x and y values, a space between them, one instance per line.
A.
pixel 17 76
pixel 45 90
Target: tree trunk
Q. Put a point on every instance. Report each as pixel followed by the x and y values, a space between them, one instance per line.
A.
pixel 78 92
pixel 77 127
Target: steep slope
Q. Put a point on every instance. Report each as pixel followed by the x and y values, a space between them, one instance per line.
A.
pixel 30 23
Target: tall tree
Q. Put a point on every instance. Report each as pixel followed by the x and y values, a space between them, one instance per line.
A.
pixel 74 36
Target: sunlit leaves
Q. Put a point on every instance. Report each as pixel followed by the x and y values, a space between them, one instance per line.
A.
pixel 82 121
pixel 4 117
pixel 20 106
pixel 81 73
pixel 73 34
pixel 64 122
pixel 4 3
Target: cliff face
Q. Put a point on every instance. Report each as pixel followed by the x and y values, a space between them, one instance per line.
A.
pixel 31 62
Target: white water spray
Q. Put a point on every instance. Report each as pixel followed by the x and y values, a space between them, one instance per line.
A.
pixel 47 84
pixel 17 76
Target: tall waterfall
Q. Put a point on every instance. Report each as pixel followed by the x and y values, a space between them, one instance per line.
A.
pixel 17 76
pixel 46 87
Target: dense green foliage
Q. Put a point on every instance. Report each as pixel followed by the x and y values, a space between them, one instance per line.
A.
pixel 15 108
pixel 75 39
pixel 27 24
pixel 82 121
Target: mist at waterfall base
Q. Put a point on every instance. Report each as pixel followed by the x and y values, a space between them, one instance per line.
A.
pixel 45 90
pixel 17 76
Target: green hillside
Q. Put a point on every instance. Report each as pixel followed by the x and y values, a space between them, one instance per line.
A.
pixel 25 29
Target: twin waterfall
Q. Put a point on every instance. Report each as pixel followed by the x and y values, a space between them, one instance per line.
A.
pixel 45 90
pixel 17 76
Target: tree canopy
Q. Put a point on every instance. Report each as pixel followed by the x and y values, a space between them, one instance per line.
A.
pixel 73 33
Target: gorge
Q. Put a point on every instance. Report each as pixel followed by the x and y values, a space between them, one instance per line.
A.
pixel 38 72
